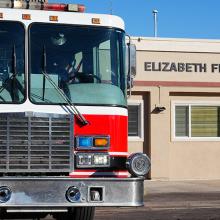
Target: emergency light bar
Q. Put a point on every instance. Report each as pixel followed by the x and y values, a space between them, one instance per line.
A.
pixel 41 5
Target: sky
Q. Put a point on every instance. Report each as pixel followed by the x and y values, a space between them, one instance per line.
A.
pixel 176 18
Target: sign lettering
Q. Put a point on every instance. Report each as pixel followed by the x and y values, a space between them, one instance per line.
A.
pixel 181 67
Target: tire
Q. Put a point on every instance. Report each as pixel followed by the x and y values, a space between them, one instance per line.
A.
pixel 78 213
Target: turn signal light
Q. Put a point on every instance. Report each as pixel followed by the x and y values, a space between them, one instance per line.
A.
pixel 96 21
pixel 101 142
pixel 26 16
pixel 53 18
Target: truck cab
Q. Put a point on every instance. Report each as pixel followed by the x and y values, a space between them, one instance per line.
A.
pixel 63 113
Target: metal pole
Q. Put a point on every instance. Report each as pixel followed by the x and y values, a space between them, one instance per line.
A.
pixel 155 22
pixel 111 8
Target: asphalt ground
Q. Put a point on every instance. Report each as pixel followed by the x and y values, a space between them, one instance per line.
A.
pixel 169 200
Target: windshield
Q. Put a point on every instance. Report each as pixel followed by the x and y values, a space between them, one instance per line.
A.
pixel 11 62
pixel 87 63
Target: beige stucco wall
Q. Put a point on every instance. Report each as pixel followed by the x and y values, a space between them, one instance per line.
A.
pixel 154 56
pixel 171 158
pixel 194 159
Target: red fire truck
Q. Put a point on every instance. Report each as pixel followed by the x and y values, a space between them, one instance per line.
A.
pixel 63 113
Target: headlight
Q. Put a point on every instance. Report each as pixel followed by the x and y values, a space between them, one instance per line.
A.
pixel 86 160
pixel 92 142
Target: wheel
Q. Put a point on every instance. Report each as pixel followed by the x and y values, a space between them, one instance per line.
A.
pixel 84 213
pixel 78 213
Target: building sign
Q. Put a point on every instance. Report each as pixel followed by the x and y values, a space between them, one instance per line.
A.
pixel 181 67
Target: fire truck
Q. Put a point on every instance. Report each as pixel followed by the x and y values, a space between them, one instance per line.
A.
pixel 65 77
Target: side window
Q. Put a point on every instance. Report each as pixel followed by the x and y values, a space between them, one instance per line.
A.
pixel 135 120
pixel 192 121
pixel 205 121
pixel 104 60
pixel 78 62
pixel 182 121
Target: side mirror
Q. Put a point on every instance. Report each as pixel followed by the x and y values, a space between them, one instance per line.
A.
pixel 131 61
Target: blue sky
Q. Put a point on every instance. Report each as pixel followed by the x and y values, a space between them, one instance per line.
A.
pixel 176 18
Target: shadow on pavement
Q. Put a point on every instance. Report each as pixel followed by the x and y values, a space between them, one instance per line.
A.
pixel 169 206
pixel 162 214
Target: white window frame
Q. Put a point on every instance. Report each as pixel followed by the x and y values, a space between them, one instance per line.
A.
pixel 190 104
pixel 140 105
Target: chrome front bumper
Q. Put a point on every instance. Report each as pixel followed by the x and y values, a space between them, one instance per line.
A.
pixel 51 192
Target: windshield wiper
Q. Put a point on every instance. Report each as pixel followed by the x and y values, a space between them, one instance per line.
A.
pixel 14 72
pixel 79 116
pixel 44 69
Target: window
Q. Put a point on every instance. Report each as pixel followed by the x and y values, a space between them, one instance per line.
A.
pixel 135 120
pixel 182 121
pixel 12 85
pixel 86 63
pixel 197 121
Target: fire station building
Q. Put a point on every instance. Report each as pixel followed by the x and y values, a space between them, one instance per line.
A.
pixel 174 110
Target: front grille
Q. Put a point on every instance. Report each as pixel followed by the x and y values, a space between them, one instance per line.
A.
pixel 31 142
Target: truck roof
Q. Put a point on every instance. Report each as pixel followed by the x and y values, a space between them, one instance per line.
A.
pixel 60 17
